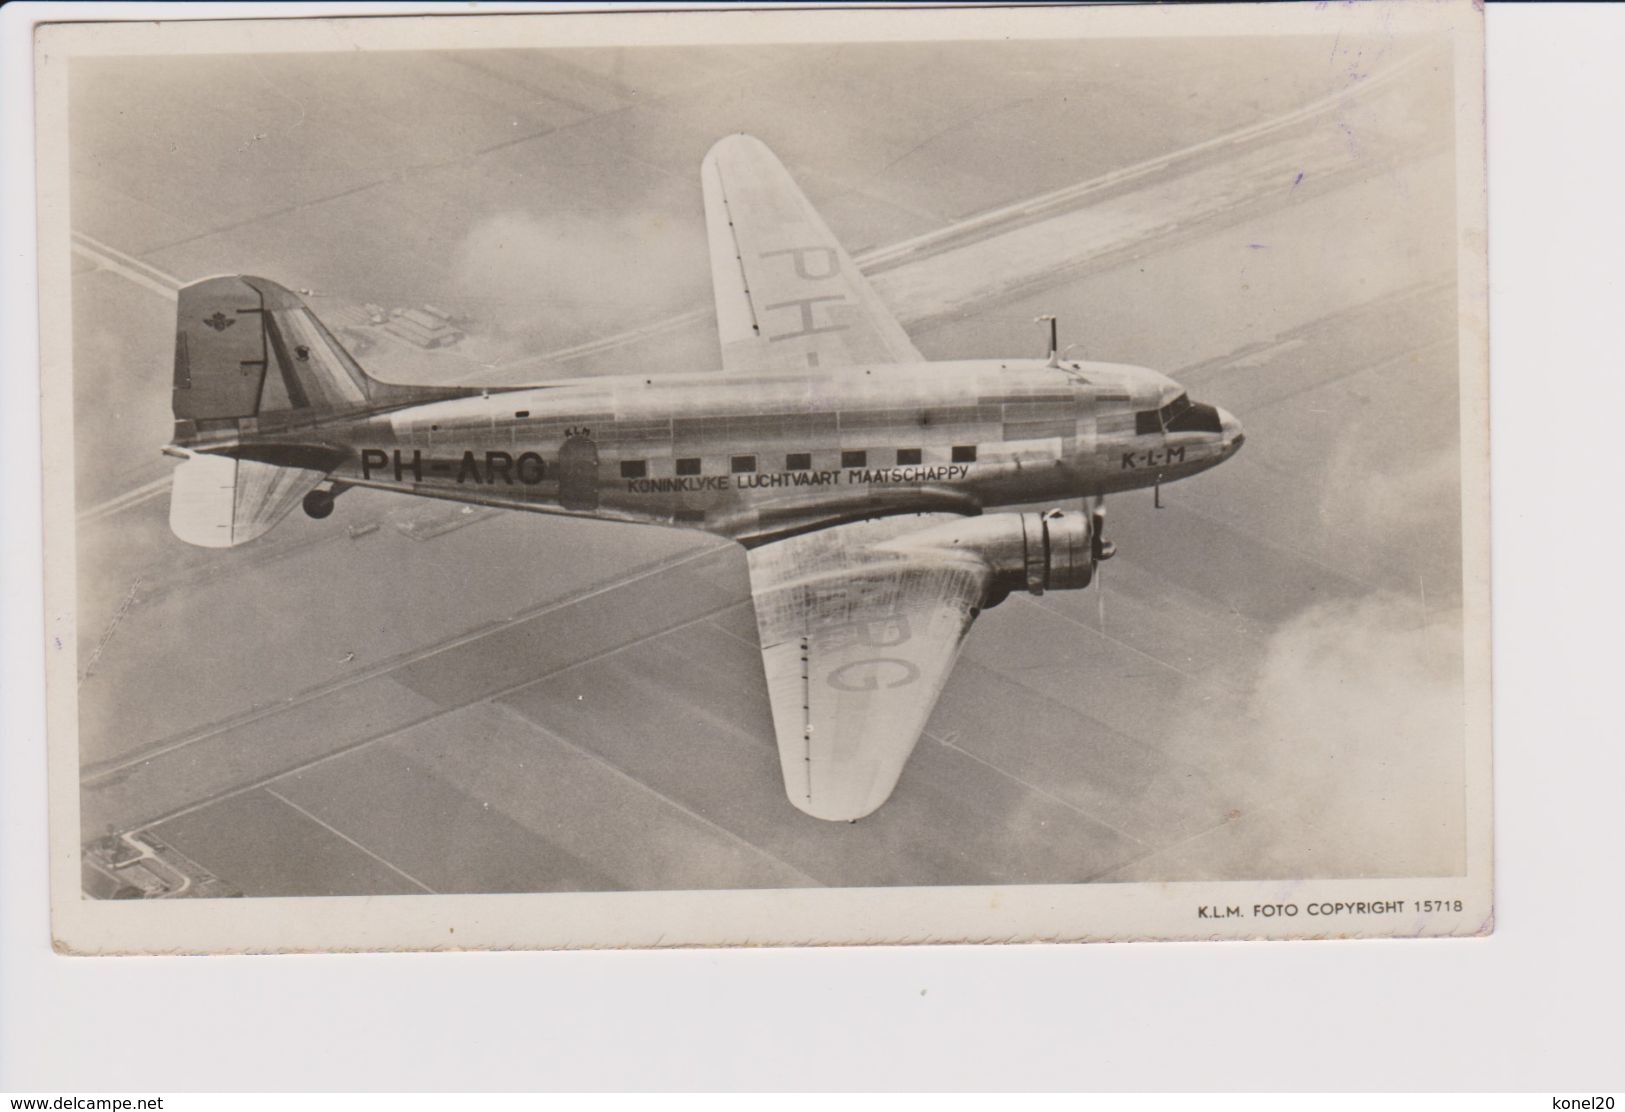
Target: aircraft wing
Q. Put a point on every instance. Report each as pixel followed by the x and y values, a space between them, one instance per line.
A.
pixel 788 295
pixel 858 636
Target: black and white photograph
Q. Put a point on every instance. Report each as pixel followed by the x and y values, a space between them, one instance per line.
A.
pixel 680 479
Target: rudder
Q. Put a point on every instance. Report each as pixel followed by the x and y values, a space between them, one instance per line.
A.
pixel 246 347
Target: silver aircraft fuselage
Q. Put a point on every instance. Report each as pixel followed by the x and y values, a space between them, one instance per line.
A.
pixel 757 457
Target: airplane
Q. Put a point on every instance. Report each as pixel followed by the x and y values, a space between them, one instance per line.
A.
pixel 858 476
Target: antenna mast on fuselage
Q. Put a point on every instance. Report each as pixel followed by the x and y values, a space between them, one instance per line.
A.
pixel 1054 339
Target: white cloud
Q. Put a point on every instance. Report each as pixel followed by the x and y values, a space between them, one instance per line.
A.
pixel 544 282
pixel 1351 749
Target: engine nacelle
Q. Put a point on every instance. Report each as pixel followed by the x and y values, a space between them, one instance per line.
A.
pixel 1051 551
pixel 1056 555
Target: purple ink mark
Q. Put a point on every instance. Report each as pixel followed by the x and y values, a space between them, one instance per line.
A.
pixel 1297 179
pixel 1259 246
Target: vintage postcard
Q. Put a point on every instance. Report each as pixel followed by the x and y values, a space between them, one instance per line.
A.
pixel 637 479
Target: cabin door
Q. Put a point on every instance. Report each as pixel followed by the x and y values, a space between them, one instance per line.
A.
pixel 578 474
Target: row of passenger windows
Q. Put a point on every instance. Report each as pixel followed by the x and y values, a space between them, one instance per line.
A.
pixel 794 461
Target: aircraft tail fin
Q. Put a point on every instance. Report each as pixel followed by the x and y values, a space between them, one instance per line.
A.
pixel 246 347
pixel 253 365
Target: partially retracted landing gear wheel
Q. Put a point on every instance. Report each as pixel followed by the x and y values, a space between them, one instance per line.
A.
pixel 318 504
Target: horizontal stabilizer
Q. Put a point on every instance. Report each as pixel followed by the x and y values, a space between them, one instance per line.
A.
pixel 218 502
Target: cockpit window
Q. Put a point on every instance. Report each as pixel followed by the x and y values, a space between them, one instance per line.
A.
pixel 1150 421
pixel 1179 415
pixel 1195 417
